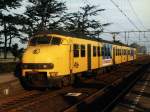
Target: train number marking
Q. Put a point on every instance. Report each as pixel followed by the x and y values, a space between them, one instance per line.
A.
pixel 36 51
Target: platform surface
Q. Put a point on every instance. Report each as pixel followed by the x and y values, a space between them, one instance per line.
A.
pixel 6 77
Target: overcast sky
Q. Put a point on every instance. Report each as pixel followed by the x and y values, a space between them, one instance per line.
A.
pixel 112 14
pixel 140 7
pixel 138 12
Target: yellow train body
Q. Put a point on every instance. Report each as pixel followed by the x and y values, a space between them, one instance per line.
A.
pixel 70 55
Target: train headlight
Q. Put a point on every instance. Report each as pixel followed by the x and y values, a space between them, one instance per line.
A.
pixel 48 66
pixel 45 66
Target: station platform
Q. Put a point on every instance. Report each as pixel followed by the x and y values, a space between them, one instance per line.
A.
pixel 9 85
pixel 138 98
pixel 7 77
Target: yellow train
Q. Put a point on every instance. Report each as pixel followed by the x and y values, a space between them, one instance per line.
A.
pixel 53 59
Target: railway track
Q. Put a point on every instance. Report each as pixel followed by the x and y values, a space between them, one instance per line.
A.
pixel 74 98
pixel 105 99
pixel 138 98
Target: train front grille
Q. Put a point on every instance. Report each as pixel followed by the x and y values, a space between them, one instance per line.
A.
pixel 37 78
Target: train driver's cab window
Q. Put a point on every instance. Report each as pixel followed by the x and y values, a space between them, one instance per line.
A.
pixel 55 41
pixel 82 50
pixel 45 40
pixel 76 50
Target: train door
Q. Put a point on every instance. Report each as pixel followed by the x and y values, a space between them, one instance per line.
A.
pixel 114 55
pixel 89 56
pixel 98 51
pixel 132 54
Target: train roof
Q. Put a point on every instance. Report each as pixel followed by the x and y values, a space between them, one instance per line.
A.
pixel 58 32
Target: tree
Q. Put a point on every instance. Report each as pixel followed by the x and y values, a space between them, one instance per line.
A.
pixel 17 53
pixel 84 21
pixel 140 49
pixel 44 14
pixel 6 19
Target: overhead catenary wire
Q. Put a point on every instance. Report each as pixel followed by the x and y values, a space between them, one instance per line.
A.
pixel 133 10
pixel 132 23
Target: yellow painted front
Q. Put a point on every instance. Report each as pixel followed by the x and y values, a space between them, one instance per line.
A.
pixel 56 54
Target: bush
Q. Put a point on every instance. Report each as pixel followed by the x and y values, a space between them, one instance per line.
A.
pixel 7 67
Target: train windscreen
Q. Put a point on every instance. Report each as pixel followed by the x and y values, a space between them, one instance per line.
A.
pixel 45 40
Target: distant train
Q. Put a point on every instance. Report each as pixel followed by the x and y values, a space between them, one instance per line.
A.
pixel 53 59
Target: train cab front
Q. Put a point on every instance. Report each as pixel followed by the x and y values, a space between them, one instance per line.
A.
pixel 40 60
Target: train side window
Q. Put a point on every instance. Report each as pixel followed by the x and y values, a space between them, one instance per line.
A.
pixel 76 50
pixel 108 52
pixel 82 50
pixel 117 51
pixel 103 52
pixel 94 51
pixel 98 51
pixel 120 51
pixel 113 51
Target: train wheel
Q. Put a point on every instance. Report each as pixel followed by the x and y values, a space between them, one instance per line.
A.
pixel 66 80
pixel 59 83
pixel 72 79
pixel 77 80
